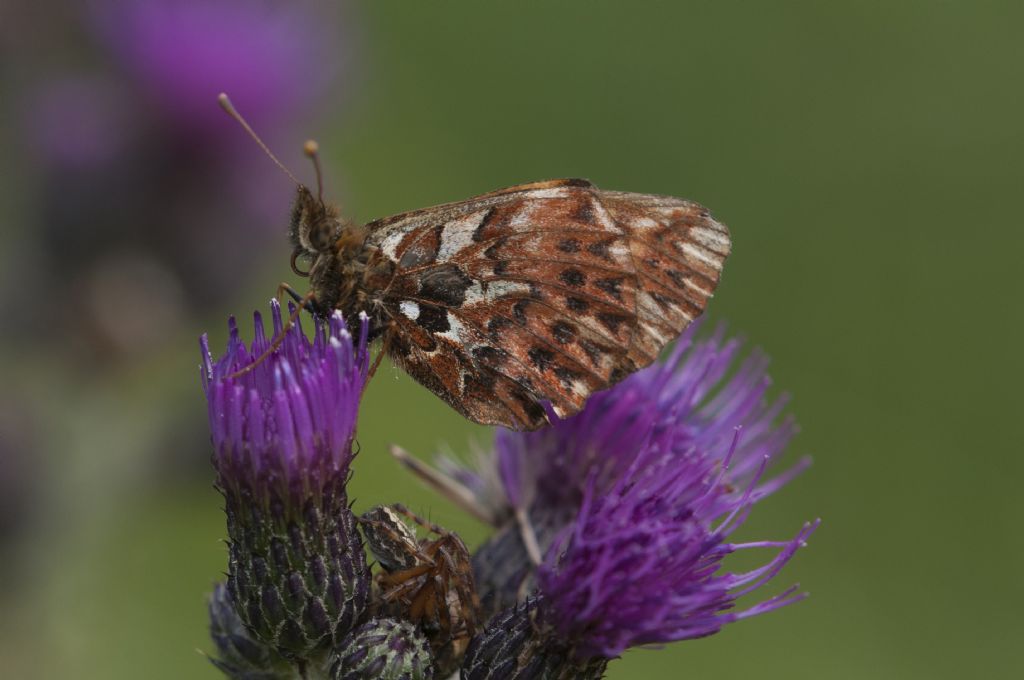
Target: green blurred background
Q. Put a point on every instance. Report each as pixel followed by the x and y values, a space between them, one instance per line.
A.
pixel 869 160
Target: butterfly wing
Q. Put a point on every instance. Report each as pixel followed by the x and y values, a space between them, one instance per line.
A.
pixel 543 292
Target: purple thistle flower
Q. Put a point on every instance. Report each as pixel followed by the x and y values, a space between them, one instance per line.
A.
pixel 684 406
pixel 282 436
pixel 640 564
pixel 694 408
pixel 631 503
pixel 284 430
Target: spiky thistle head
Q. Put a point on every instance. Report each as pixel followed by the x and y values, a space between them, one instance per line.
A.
pixel 282 429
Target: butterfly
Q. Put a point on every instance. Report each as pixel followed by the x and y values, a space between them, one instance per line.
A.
pixel 538 293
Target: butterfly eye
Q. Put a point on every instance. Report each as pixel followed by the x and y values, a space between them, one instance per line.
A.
pixel 295 263
pixel 321 235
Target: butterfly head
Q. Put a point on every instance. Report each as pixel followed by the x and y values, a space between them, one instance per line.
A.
pixel 315 226
pixel 332 252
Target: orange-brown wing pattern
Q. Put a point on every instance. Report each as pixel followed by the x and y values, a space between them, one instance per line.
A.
pixel 543 292
pixel 679 251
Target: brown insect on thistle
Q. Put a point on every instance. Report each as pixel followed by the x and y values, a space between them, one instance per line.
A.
pixel 541 292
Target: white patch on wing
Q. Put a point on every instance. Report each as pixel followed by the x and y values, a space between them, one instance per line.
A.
pixel 701 255
pixel 644 223
pixel 602 218
pixel 456 331
pixel 523 217
pixel 654 335
pixel 458 234
pixel 710 239
pixel 495 289
pixel 391 242
pixel 620 252
pixel 555 192
pixel 690 283
pixel 646 304
pixel 410 309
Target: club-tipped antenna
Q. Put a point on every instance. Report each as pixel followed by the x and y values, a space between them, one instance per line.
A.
pixel 229 108
pixel 312 150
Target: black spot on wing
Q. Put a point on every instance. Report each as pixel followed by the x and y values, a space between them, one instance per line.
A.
pixel 563 332
pixel 445 285
pixel 433 318
pixel 496 325
pixel 593 352
pixel 541 357
pixel 663 301
pixel 611 321
pixel 612 286
pixel 573 277
pixel 600 249
pixel 576 304
pixel 519 312
pixel 566 376
pixel 493 251
pixel 489 356
pixel 569 245
pixel 678 277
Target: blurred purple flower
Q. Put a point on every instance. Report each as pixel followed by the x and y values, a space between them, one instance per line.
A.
pixel 275 58
pixel 135 141
pixel 78 121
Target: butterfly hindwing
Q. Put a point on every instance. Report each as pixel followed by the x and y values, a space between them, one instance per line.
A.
pixel 544 292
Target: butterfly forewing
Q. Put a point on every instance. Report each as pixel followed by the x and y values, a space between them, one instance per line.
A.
pixel 543 292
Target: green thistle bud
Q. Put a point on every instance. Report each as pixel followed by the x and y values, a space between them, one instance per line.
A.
pixel 299 585
pixel 516 646
pixel 240 656
pixel 384 649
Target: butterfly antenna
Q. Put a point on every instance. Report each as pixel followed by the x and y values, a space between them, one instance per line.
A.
pixel 279 340
pixel 312 150
pixel 229 108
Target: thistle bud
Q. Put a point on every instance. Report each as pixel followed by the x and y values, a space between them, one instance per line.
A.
pixel 240 656
pixel 384 649
pixel 282 435
pixel 517 646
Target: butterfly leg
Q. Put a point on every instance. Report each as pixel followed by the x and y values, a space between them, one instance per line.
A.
pixel 384 347
pixel 284 288
pixel 279 340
